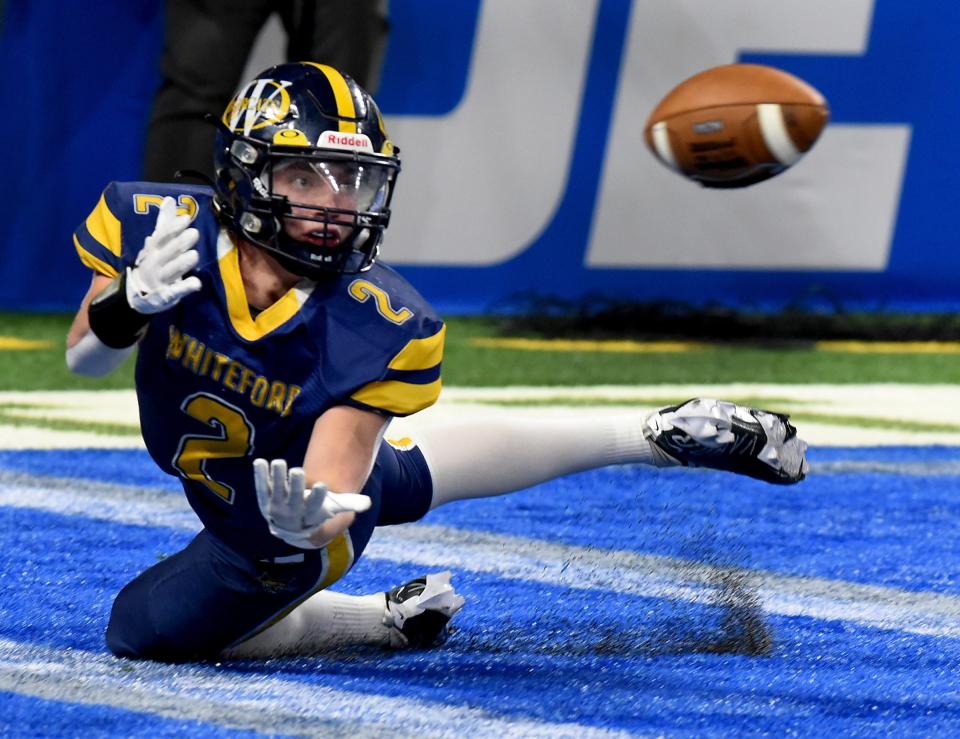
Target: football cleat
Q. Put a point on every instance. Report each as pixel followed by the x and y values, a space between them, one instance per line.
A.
pixel 713 433
pixel 418 612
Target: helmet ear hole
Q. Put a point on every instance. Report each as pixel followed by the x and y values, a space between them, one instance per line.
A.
pixel 243 153
pixel 250 223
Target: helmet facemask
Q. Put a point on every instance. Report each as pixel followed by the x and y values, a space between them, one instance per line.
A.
pixel 320 211
pixel 305 170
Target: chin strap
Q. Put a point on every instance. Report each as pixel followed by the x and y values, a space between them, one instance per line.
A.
pixel 352 259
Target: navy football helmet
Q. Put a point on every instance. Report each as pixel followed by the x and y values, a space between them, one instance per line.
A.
pixel 305 169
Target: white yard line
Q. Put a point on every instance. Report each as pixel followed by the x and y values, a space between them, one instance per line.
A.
pixel 520 558
pixel 914 403
pixel 29 437
pixel 102 406
pixel 241 700
pixel 105 406
pixel 589 568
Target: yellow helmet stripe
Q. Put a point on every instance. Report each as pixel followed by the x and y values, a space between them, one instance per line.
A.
pixel 341 93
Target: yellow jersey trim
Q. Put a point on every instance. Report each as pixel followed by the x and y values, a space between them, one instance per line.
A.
pixel 420 354
pixel 97 265
pixel 398 398
pixel 341 93
pixel 104 226
pixel 339 558
pixel 244 324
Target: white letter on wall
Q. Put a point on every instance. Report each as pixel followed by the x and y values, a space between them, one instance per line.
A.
pixel 479 184
pixel 836 209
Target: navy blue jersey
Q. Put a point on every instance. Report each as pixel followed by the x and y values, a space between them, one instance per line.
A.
pixel 218 386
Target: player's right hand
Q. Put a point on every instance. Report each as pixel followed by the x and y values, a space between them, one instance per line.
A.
pixel 293 513
pixel 156 281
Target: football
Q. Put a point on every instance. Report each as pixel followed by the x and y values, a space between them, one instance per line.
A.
pixel 736 125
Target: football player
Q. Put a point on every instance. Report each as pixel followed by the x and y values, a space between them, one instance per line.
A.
pixel 273 348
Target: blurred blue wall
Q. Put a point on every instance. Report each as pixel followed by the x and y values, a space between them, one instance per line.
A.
pixel 78 79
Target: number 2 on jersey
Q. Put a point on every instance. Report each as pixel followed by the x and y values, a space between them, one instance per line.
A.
pixel 362 290
pixel 232 438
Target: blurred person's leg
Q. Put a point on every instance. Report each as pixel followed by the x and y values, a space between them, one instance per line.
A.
pixel 206 45
pixel 350 35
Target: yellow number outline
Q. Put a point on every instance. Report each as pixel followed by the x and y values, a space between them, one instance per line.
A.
pixel 186 204
pixel 234 438
pixel 362 290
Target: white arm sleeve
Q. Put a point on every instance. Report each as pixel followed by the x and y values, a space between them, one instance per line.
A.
pixel 93 358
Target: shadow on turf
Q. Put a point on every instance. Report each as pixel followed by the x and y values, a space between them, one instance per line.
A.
pixel 731 621
pixel 811 317
pixel 725 617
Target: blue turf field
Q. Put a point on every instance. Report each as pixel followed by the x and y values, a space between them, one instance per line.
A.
pixel 631 600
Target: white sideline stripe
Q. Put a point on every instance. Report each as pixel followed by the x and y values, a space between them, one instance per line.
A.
pixel 588 568
pixel 244 701
pixel 775 134
pixel 520 558
pixel 933 403
pixel 917 469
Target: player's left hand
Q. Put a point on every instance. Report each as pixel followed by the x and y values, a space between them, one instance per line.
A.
pixel 158 281
pixel 293 513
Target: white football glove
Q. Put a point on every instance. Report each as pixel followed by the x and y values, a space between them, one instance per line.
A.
pixel 293 512
pixel 156 281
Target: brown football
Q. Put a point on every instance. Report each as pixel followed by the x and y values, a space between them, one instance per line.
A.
pixel 736 125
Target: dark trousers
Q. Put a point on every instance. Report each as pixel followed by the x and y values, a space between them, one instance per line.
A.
pixel 208 596
pixel 206 46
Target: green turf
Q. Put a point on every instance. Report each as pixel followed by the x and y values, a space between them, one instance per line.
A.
pixel 45 369
pixel 472 366
pixel 781 404
pixel 467 365
pixel 10 417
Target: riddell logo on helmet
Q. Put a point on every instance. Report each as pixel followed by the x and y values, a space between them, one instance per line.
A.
pixel 353 141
